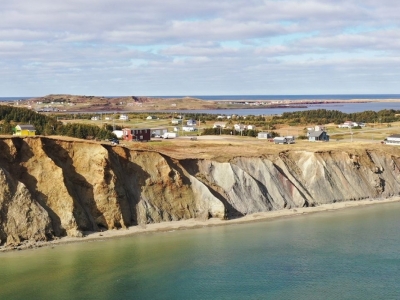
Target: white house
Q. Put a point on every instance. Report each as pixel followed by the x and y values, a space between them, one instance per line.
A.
pixel 219 125
pixel 280 140
pixel 348 124
pixel 191 122
pixel 118 133
pixel 95 118
pixel 393 140
pixel 158 131
pixel 239 127
pixel 176 121
pixel 124 117
pixel 151 118
pixel 264 135
pixel 189 128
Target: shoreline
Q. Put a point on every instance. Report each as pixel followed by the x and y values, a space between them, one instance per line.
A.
pixel 194 223
pixel 163 104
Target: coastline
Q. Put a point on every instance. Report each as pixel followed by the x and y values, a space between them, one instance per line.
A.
pixel 195 223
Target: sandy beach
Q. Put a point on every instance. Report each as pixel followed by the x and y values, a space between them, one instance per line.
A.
pixel 195 223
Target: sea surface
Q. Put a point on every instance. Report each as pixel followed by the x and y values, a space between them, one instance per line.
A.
pixel 343 107
pixel 346 254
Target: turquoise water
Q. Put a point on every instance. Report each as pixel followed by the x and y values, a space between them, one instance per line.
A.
pixel 347 254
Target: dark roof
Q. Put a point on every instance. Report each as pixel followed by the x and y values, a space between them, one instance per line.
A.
pixel 315 133
pixel 395 136
pixel 27 127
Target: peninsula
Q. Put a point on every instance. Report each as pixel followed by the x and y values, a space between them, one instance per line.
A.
pixel 82 103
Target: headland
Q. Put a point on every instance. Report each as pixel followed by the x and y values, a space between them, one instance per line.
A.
pixel 57 190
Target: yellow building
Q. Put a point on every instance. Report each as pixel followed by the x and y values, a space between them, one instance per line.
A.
pixel 25 130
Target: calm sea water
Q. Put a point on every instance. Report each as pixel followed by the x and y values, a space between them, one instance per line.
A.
pixel 343 107
pixel 348 254
pixel 292 97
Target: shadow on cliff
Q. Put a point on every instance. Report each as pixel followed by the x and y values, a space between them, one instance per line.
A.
pixel 85 211
pixel 13 165
pixel 129 179
pixel 4 203
pixel 191 166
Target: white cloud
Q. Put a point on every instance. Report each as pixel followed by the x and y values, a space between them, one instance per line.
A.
pixel 227 46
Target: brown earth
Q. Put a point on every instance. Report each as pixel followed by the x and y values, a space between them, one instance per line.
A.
pixel 55 187
pixel 81 103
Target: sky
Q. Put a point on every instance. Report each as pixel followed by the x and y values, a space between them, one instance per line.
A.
pixel 207 47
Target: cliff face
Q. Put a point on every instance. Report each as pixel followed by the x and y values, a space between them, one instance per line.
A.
pixel 51 188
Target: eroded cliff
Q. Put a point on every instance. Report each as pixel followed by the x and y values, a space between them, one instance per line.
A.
pixel 52 188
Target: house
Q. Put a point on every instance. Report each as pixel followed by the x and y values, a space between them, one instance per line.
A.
pixel 95 118
pixel 317 133
pixel 151 118
pixel 124 117
pixel 140 135
pixel 280 140
pixel 290 139
pixel 264 135
pixel 284 140
pixel 191 122
pixel 219 125
pixel 251 127
pixel 157 132
pixel 118 133
pixel 348 124
pixel 189 128
pixel 239 127
pixel 176 121
pixel 25 130
pixel 393 140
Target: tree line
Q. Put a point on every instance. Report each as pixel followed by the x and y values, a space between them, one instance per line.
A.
pixel 323 116
pixel 48 125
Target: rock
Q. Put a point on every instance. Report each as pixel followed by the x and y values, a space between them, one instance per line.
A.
pixel 52 188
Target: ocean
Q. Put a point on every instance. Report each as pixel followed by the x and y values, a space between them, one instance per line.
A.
pixel 343 107
pixel 346 254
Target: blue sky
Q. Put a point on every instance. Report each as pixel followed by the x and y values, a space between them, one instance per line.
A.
pixel 177 47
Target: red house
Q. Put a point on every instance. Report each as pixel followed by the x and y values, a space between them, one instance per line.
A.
pixel 140 135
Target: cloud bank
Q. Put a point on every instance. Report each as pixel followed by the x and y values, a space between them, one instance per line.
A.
pixel 206 47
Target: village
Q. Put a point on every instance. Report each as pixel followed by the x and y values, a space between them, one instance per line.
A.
pixel 130 128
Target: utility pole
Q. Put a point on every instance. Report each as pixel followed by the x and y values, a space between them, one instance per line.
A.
pixel 351 134
pixel 113 121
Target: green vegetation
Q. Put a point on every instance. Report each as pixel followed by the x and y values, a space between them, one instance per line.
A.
pixel 217 131
pixel 323 116
pixel 47 125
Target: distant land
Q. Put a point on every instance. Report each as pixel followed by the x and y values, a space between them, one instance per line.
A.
pixel 80 103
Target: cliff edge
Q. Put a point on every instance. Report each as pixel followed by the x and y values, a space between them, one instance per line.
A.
pixel 52 187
